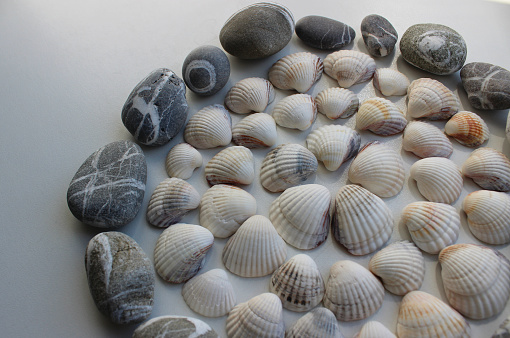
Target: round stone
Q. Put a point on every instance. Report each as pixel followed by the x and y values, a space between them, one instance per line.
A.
pixel 379 35
pixel 487 85
pixel 175 327
pixel 324 33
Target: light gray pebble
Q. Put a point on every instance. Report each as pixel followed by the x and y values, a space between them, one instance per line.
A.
pixel 174 327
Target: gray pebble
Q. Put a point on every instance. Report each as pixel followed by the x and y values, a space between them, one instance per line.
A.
pixel 174 327
pixel 487 85
pixel 324 33
pixel 379 35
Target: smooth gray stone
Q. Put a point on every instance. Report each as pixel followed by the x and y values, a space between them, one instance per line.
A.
pixel 174 327
pixel 324 33
pixel 435 48
pixel 156 109
pixel 379 35
pixel 121 277
pixel 487 85
pixel 107 190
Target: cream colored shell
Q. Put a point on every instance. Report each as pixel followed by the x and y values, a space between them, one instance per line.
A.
pixel 297 71
pixel 337 103
pixel 373 329
pixel 489 168
pixel 318 323
pixel 349 67
pixel 210 127
pixel 297 111
pixel 232 165
pixel 467 128
pixel 255 131
pixel 390 82
pixel 250 95
pixel 182 160
pixel 425 140
pixel 381 117
pixel 430 99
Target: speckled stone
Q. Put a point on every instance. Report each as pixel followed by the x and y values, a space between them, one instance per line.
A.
pixel 121 277
pixel 487 85
pixel 379 35
pixel 107 190
pixel 174 327
pixel 206 70
pixel 435 48
pixel 324 33
pixel 156 109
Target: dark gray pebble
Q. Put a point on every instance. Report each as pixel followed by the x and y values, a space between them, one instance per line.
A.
pixel 324 33
pixel 174 327
pixel 487 85
pixel 379 35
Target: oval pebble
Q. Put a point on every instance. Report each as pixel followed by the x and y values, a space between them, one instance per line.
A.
pixel 379 35
pixel 324 33
pixel 174 327
pixel 487 85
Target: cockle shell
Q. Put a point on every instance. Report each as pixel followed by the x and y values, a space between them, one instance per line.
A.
pixel 337 103
pixel 210 127
pixel 489 168
pixel 373 329
pixel 352 292
pixel 224 208
pixel 180 251
pixel 381 117
pixel 255 131
pixel 378 168
pixel 426 140
pixel 285 166
pixel 297 71
pixel 250 95
pixel 232 165
pixel 391 82
pixel 255 250
pixel 507 130
pixel 430 99
pixel 318 323
pixel 182 160
pixel 174 326
pixel 362 222
pixel 171 200
pixel 297 111
pixel 349 67
pixel 467 128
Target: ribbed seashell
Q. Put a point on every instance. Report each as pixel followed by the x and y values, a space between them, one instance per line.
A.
pixel 438 179
pixel 337 103
pixel 287 165
pixel 381 117
pixel 255 131
pixel 255 250
pixel 400 266
pixel 423 315
pixel 476 279
pixel 224 208
pixel 507 130
pixel 373 329
pixel 210 127
pixel 426 140
pixel 182 160
pixel 430 99
pixel 333 145
pixel 297 71
pixel 297 111
pixel 504 330
pixel 180 251
pixel 318 323
pixel 349 67
pixel 378 168
pixel 362 222
pixel 261 316
pixel 489 168
pixel 251 95
pixel 210 294
pixel 352 292
pixel 433 226
pixel 488 216
pixel 391 82
pixel 467 128
pixel 232 165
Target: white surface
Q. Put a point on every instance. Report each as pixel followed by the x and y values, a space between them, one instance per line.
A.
pixel 66 70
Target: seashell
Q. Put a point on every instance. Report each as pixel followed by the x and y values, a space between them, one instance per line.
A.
pixel 374 329
pixel 488 215
pixel 431 100
pixel 232 165
pixel 379 169
pixel 467 128
pixel 489 168
pixel 224 208
pixel 297 71
pixel 504 330
pixel 286 166
pixel 210 127
pixel 426 140
pixel 507 130
pixel 182 160
pixel 301 215
pixel 255 250
pixel 171 200
pixel 297 111
pixel 433 226
pixel 251 95
pixel 255 131
pixel 381 117
pixel 261 316
pixel 391 82
pixel 180 251
pixel 438 179
pixel 318 323
pixel 400 266
pixel 337 103
pixel 210 294
pixel 349 67
pixel 298 283
pixel 333 145
pixel 352 292
pixel 423 315
pixel 174 326
pixel 362 222
pixel 476 279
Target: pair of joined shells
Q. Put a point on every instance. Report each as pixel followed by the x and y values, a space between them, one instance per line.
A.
pixel 255 131
pixel 318 323
pixel 349 67
pixel 489 168
pixel 182 160
pixel 391 82
pixel 337 103
pixel 210 127
pixel 250 95
pixel 430 99
pixel 467 128
pixel 381 117
pixel 297 111
pixel 232 165
pixel 426 140
pixel 297 71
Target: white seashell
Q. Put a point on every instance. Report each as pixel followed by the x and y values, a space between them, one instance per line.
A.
pixel 210 294
pixel 255 131
pixel 232 165
pixel 337 103
pixel 333 145
pixel 298 283
pixel 507 131
pixel 352 292
pixel 378 168
pixel 180 251
pixel 381 117
pixel 250 95
pixel 438 179
pixel 210 127
pixel 467 128
pixel 285 166
pixel 489 168
pixel 426 140
pixel 373 329
pixel 362 222
pixel 391 82
pixel 318 323
pixel 349 67
pixel 433 226
pixel 297 71
pixel 255 250
pixel 224 208
pixel 172 326
pixel 430 99
pixel 297 111
pixel 504 330
pixel 182 160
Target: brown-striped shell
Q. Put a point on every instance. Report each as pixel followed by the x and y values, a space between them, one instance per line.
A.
pixel 255 131
pixel 426 140
pixel 298 71
pixel 232 165
pixel 297 111
pixel 210 127
pixel 182 160
pixel 337 103
pixel 391 82
pixel 489 168
pixel 381 117
pixel 250 95
pixel 467 128
pixel 430 99
pixel 349 67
